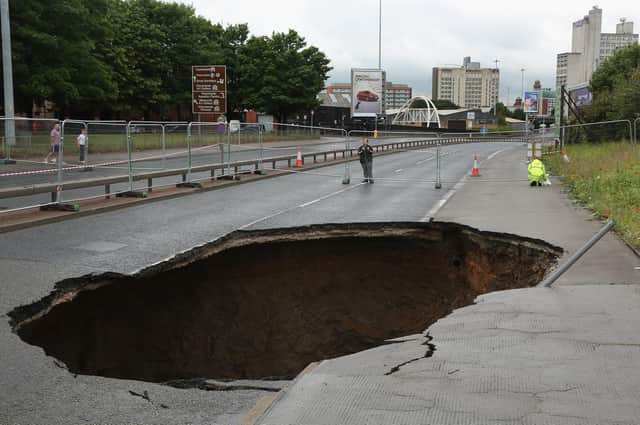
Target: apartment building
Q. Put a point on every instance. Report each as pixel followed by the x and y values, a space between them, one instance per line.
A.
pixel 468 86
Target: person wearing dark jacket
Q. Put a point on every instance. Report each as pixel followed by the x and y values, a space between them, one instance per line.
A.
pixel 365 152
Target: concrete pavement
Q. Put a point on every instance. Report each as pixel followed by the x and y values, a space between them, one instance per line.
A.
pixel 569 354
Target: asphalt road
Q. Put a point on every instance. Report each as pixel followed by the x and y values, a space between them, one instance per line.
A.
pixel 35 389
pixel 155 160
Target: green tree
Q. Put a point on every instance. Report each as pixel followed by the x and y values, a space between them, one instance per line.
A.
pixel 615 87
pixel 445 104
pixel 53 48
pixel 281 74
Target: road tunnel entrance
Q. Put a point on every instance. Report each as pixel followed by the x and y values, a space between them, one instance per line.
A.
pixel 267 303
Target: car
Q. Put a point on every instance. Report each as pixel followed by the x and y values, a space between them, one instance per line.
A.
pixel 367 96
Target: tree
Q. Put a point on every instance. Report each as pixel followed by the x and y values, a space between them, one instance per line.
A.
pixel 281 75
pixel 53 46
pixel 615 87
pixel 445 104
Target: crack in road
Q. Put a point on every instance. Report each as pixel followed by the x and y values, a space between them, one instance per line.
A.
pixel 431 348
pixel 145 396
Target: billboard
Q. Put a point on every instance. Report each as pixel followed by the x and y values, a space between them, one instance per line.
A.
pixel 209 89
pixel 367 92
pixel 530 102
pixel 581 96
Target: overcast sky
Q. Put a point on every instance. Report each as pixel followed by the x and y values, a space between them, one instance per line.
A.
pixel 420 34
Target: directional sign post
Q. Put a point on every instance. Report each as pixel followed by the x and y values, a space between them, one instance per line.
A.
pixel 209 91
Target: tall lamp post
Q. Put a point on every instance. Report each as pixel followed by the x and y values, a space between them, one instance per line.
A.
pixel 526 117
pixel 375 134
pixel 7 71
pixel 380 36
pixel 495 98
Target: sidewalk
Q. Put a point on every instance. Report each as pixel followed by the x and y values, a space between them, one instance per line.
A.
pixel 569 354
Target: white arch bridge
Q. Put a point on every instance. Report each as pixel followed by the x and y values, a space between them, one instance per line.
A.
pixel 417 110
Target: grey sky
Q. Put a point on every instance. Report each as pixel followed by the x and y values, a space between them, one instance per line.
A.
pixel 418 35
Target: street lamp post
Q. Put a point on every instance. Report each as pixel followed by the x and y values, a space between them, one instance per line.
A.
pixel 7 71
pixel 380 37
pixel 526 116
pixel 495 98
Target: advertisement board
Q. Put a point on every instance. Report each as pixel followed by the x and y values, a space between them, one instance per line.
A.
pixel 530 102
pixel 209 90
pixel 367 92
pixel 581 96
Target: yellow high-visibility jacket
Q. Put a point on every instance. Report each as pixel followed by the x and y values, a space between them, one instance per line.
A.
pixel 537 172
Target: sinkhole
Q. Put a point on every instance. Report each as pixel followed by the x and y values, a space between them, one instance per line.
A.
pixel 265 304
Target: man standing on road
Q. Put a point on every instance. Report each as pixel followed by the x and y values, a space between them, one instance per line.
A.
pixel 81 141
pixel 366 160
pixel 55 142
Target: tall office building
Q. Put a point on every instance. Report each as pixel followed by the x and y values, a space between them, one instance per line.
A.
pixel 468 86
pixel 590 47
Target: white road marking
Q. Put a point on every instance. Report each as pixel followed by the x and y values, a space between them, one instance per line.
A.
pixel 490 157
pixel 306 204
pixel 399 170
pixel 442 202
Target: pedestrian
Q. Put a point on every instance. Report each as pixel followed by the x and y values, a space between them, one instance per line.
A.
pixel 54 143
pixel 365 152
pixel 81 141
pixel 537 172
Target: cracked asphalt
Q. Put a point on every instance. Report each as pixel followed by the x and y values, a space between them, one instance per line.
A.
pixel 569 354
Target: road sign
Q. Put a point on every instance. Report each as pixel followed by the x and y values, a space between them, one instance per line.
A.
pixel 484 130
pixel 209 90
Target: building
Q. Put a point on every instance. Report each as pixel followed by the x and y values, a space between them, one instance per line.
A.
pixel 468 86
pixel 590 47
pixel 395 95
pixel 467 119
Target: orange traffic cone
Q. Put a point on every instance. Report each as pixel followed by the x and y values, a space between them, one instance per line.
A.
pixel 299 158
pixel 475 172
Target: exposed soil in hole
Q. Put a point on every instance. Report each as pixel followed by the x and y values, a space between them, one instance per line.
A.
pixel 267 303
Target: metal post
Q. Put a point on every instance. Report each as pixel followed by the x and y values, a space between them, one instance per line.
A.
pixel 577 255
pixel 60 161
pixel 187 181
pixel 164 147
pixel 7 71
pixel 438 181
pixel 380 37
pixel 130 164
pixel 347 164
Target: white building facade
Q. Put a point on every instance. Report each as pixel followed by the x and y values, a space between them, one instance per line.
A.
pixel 590 47
pixel 468 86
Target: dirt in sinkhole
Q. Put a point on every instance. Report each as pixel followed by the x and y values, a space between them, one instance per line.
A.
pixel 267 303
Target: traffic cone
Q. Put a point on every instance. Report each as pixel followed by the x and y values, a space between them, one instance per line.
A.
pixel 299 158
pixel 475 172
pixel 565 157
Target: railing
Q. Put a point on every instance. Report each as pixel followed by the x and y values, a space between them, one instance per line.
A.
pixel 232 168
pixel 576 256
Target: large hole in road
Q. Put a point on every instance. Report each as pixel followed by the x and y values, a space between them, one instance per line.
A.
pixel 267 303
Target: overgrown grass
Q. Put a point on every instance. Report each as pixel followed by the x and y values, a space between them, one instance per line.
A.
pixel 606 179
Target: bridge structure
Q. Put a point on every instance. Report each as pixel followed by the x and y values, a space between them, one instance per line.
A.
pixel 417 110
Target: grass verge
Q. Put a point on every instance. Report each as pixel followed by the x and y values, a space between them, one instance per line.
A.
pixel 606 179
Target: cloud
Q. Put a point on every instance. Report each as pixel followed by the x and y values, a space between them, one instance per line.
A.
pixel 420 34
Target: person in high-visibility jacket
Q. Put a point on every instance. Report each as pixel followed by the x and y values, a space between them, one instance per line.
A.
pixel 537 172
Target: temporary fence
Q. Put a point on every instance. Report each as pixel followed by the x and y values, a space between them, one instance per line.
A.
pixel 603 131
pixel 132 158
